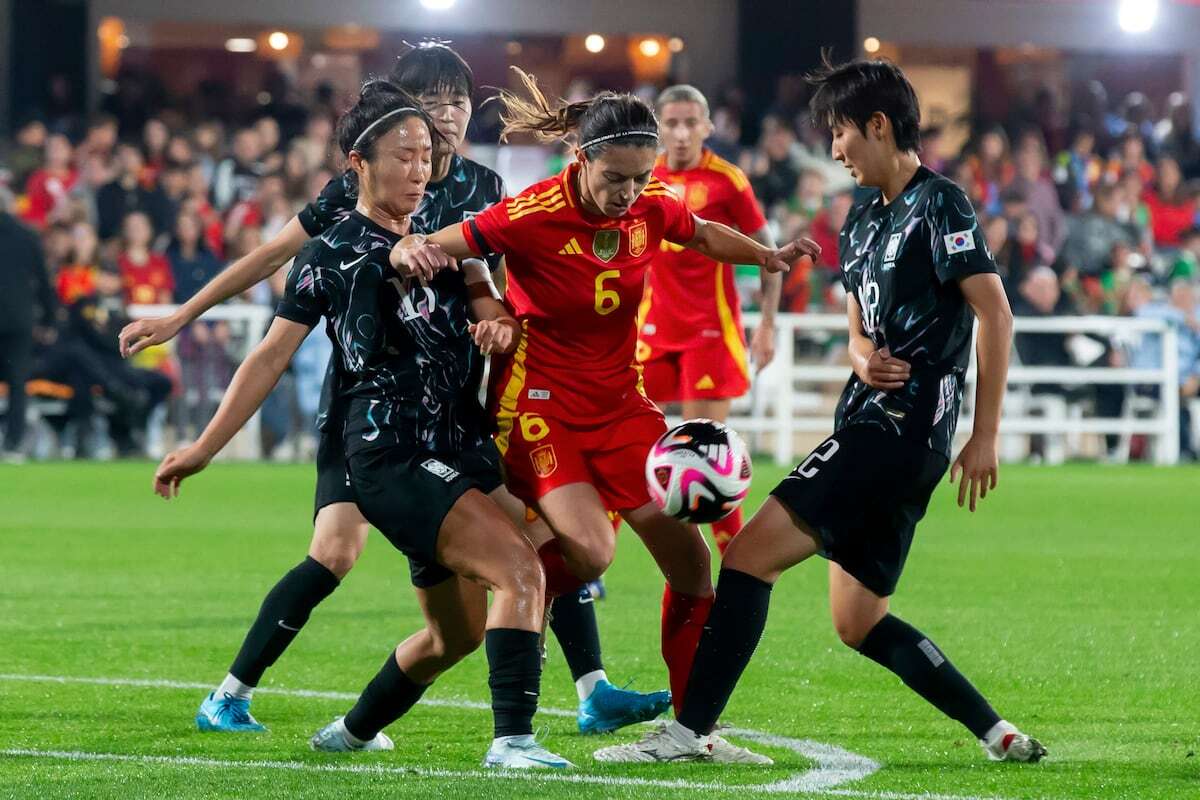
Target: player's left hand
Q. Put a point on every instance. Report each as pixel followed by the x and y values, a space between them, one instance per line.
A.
pixel 180 464
pixel 781 259
pixel 493 336
pixel 762 346
pixel 976 469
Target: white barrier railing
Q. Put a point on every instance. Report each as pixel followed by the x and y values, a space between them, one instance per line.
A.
pixel 775 407
pixel 777 414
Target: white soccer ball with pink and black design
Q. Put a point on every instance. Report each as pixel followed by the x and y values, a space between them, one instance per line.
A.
pixel 698 471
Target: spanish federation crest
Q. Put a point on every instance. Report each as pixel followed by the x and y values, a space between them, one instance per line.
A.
pixel 637 239
pixel 545 462
pixel 606 243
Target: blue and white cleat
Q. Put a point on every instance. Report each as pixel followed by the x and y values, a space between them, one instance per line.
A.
pixel 334 738
pixel 522 752
pixel 608 708
pixel 228 714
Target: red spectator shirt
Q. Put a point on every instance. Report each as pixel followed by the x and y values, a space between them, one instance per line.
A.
pixel 75 281
pixel 689 297
pixel 1168 221
pixel 43 192
pixel 151 282
pixel 575 281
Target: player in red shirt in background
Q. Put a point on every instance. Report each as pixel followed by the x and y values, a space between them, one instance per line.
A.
pixel 692 345
pixel 574 424
pixel 146 275
pixel 48 187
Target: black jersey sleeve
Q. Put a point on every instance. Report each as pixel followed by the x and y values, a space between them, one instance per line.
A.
pixel 335 201
pixel 302 299
pixel 956 239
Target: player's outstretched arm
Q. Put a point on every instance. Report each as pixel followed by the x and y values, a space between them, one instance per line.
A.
pixel 421 255
pixel 494 329
pixel 977 465
pixel 257 265
pixel 723 243
pixel 251 384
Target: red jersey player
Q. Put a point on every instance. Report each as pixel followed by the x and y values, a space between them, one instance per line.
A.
pixel 574 423
pixel 692 344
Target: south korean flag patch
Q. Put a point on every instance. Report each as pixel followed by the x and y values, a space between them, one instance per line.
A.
pixel 959 242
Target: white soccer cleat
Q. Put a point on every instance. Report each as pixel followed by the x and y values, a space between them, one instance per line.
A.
pixel 334 738
pixel 666 743
pixel 522 752
pixel 726 752
pixel 1005 743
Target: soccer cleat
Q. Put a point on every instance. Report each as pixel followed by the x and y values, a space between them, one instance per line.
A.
pixel 522 752
pixel 726 752
pixel 227 714
pixel 665 743
pixel 334 738
pixel 1014 746
pixel 596 589
pixel 608 708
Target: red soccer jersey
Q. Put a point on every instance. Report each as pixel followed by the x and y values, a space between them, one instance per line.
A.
pixel 151 282
pixel 574 282
pixel 690 297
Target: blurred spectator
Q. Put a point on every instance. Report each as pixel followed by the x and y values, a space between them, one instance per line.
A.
pixel 1186 263
pixel 1130 157
pixel 1176 135
pixel 809 197
pixel 192 262
pixel 99 140
pixel 1041 199
pixel 208 139
pixel 1132 210
pixel 267 202
pixel 991 168
pixel 1172 205
pixel 174 182
pixel 24 291
pixel 236 177
pixel 1091 236
pixel 727 134
pixel 126 194
pixel 774 174
pixel 1019 250
pixel 269 158
pixel 317 141
pixel 27 151
pixel 145 275
pixel 1076 171
pixel 180 152
pixel 76 278
pixel 295 174
pixel 155 136
pixel 47 188
pixel 1179 311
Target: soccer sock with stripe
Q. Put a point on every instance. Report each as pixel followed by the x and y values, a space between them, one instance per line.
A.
pixel 910 654
pixel 683 619
pixel 514 676
pixel 573 620
pixel 388 697
pixel 283 613
pixel 724 530
pixel 730 637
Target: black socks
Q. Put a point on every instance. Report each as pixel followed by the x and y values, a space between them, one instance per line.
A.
pixel 573 620
pixel 388 696
pixel 515 676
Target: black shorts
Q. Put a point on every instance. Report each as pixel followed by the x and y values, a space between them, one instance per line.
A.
pixel 406 494
pixel 333 486
pixel 862 491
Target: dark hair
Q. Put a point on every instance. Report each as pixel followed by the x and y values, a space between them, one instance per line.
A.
pixel 854 91
pixel 378 99
pixel 431 67
pixel 606 119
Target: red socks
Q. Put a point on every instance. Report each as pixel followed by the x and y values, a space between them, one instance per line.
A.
pixel 683 618
pixel 724 530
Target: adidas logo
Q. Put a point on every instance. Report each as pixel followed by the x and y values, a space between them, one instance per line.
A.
pixel 571 248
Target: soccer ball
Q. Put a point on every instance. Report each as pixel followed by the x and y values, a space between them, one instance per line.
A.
pixel 698 471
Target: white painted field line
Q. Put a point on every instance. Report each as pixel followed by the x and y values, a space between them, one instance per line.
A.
pixel 428 772
pixel 834 765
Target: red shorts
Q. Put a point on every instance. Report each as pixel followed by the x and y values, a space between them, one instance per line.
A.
pixel 542 453
pixel 711 370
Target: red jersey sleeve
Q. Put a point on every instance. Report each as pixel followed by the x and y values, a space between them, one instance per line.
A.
pixel 490 231
pixel 679 223
pixel 746 212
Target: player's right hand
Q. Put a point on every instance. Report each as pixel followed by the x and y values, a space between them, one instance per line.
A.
pixel 180 464
pixel 140 334
pixel 884 371
pixel 417 257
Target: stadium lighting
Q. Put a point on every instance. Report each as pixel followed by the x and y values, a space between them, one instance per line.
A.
pixel 649 47
pixel 278 40
pixel 241 45
pixel 594 43
pixel 437 5
pixel 871 44
pixel 1137 16
pixel 675 44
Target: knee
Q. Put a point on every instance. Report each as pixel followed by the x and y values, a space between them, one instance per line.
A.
pixel 337 551
pixel 594 559
pixel 524 574
pixel 449 647
pixel 852 632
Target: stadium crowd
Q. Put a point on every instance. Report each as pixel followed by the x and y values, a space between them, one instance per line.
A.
pixel 1092 211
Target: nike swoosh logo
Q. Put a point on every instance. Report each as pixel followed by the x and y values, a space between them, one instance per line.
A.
pixel 287 627
pixel 349 264
pixel 544 761
pixel 588 599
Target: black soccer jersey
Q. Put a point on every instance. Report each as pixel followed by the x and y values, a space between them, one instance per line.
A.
pixel 902 262
pixel 405 361
pixel 467 189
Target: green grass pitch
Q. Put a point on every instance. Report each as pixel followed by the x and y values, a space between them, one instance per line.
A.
pixel 1070 599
